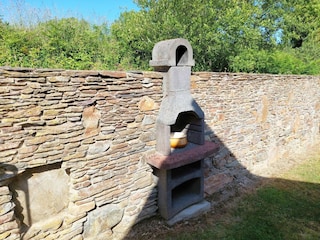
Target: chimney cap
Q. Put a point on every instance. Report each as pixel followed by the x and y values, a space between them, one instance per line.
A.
pixel 172 52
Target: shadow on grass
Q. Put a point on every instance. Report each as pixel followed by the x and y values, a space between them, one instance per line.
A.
pixel 278 208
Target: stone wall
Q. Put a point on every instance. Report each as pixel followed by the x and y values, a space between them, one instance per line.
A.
pixel 73 144
pixel 92 126
pixel 261 121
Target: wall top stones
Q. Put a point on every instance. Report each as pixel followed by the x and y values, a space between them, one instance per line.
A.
pixel 32 72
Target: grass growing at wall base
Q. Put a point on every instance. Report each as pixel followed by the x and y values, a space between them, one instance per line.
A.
pixel 287 207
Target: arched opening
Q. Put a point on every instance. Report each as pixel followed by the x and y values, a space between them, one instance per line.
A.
pixel 190 124
pixel 181 56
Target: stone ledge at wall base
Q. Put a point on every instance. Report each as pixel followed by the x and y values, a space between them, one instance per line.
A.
pixel 190 212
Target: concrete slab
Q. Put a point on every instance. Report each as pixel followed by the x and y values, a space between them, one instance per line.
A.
pixel 190 212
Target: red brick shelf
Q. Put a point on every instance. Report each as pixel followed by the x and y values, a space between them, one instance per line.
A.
pixel 181 157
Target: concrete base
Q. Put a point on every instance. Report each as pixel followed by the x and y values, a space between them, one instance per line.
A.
pixel 190 212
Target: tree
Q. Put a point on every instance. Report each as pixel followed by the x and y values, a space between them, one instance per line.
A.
pixel 244 35
pixel 270 36
pixel 296 19
pixel 216 29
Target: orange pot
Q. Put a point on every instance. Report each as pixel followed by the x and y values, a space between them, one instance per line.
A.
pixel 178 140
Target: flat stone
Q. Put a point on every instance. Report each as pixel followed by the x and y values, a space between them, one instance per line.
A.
pixel 148 120
pixel 38 140
pixel 152 75
pixel 102 219
pixel 91 117
pixel 5 208
pixel 147 104
pixel 216 182
pixel 190 212
pixel 4 190
pixel 30 112
pixel 99 147
pixel 4 235
pixel 115 74
pixel 52 224
pixel 58 79
pixel 54 130
pixel 10 145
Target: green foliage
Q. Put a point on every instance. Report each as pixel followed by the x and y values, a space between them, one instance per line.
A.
pixel 284 61
pixel 250 60
pixel 263 36
pixel 230 35
pixel 301 19
pixel 216 29
pixel 67 43
pixel 133 40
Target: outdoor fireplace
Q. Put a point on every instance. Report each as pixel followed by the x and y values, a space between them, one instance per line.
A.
pixel 179 167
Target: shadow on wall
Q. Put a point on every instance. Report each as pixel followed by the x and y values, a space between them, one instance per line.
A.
pixel 225 179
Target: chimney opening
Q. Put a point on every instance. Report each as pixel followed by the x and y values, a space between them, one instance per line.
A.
pixel 181 55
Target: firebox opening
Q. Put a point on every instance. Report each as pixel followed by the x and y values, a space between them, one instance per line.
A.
pixel 183 121
pixel 181 55
pixel 191 125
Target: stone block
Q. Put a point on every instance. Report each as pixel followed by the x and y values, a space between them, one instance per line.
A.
pixel 216 182
pixel 190 212
pixel 90 118
pixel 147 104
pixel 8 226
pixel 5 198
pixel 111 74
pixel 99 147
pixel 42 192
pixel 57 79
pixel 7 153
pixel 4 190
pixel 30 112
pixel 5 234
pixel 55 130
pixel 37 140
pixel 6 207
pixel 82 208
pixel 52 224
pixel 10 145
pixel 102 219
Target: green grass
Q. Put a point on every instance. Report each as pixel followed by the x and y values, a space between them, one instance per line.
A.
pixel 287 207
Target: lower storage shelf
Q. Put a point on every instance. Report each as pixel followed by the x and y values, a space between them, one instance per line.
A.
pixel 178 188
pixel 186 194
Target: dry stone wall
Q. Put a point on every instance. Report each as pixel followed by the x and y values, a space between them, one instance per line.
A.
pixel 259 120
pixel 73 144
pixel 91 128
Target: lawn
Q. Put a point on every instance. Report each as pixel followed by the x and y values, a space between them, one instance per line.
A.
pixel 286 207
